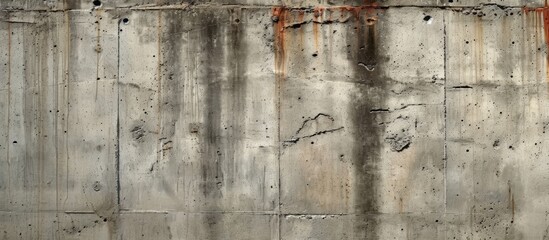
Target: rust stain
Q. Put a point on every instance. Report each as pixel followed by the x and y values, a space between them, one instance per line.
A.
pixel 542 13
pixel 279 16
pixel 368 8
pixel 282 15
pixel 301 18
pixel 317 18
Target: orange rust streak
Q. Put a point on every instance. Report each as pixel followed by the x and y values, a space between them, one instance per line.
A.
pixel 301 17
pixel 317 14
pixel 543 13
pixel 280 52
pixel 355 11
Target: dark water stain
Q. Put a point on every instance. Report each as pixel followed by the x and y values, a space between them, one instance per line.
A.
pixel 220 35
pixel 363 41
pixel 211 35
pixel 210 38
pixel 172 74
pixel 237 53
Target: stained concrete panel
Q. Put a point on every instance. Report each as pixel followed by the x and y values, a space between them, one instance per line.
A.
pixel 199 127
pixel 198 226
pixel 59 123
pixel 47 5
pixel 50 225
pixel 496 91
pixel 374 226
pixel 358 132
pixel 172 120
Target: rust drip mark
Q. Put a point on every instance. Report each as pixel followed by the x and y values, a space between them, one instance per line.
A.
pixel 370 8
pixel 317 17
pixel 543 13
pixel 279 17
pixel 300 18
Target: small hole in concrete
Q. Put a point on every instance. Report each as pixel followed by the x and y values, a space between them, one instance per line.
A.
pixel 97 3
pixel 237 20
pixel 428 19
pixel 125 20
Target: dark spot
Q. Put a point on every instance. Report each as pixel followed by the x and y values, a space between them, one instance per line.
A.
pixel 97 3
pixel 427 18
pixel 14 141
pixel 315 54
pixel 237 20
pixel 125 20
pixel 138 133
pixel 96 186
pixel 496 143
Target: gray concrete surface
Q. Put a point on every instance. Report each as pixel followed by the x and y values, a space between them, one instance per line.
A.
pixel 275 119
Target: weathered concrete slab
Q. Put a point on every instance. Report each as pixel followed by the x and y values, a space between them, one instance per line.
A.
pixel 198 226
pixel 49 225
pixel 17 5
pixel 198 128
pixel 273 120
pixel 507 3
pixel 496 91
pixel 385 226
pixel 59 119
pixel 360 122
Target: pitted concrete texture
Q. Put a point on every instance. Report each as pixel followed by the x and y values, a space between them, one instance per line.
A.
pixel 275 119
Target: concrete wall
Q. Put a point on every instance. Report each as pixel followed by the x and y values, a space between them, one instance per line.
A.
pixel 274 119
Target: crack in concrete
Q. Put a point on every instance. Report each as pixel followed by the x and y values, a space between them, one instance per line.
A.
pixel 388 110
pixel 296 138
